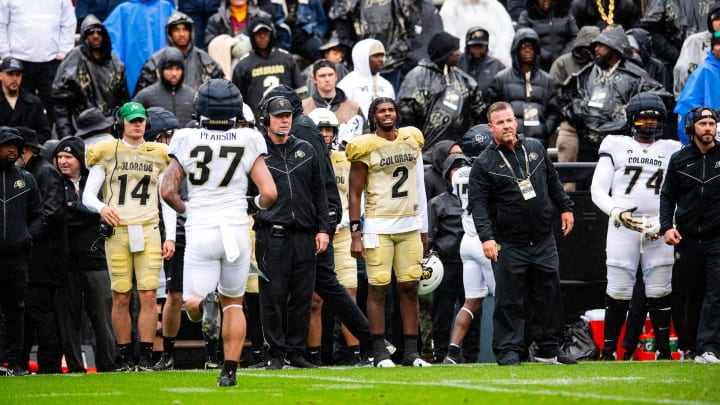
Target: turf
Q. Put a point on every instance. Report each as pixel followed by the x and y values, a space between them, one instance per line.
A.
pixel 589 382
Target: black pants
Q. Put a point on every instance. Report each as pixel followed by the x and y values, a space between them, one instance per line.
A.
pixel 38 77
pixel 336 296
pixel 41 326
pixel 698 279
pixel 87 292
pixel 13 287
pixel 527 272
pixel 449 294
pixel 289 262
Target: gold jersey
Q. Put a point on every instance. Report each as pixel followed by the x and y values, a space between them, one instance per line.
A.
pixel 341 167
pixel 131 177
pixel 390 187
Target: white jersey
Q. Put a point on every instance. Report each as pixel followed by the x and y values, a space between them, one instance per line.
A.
pixel 217 164
pixel 460 181
pixel 637 171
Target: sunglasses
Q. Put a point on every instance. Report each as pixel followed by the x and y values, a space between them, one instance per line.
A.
pixel 92 31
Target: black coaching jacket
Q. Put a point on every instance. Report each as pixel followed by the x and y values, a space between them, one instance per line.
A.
pixel 498 208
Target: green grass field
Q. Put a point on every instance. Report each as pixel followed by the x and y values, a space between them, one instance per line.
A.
pixel 589 382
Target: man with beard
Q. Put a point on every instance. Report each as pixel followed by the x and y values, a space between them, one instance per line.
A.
pixel 19 107
pixel 89 76
pixel 387 166
pixel 21 216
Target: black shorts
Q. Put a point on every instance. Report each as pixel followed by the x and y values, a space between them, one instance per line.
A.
pixel 174 267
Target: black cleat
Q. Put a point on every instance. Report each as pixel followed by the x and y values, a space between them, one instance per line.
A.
pixel 165 363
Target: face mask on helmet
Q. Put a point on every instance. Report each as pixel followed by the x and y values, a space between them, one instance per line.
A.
pixel 649 129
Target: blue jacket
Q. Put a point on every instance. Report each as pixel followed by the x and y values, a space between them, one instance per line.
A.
pixel 137 30
pixel 311 18
pixel 700 90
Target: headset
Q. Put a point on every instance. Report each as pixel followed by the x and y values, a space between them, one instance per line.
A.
pixel 118 126
pixel 690 123
pixel 264 118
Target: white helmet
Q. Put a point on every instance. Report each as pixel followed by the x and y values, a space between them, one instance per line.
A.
pixel 323 117
pixel 247 116
pixel 432 274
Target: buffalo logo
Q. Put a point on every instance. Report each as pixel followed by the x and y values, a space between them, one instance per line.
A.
pixel 717 165
pixel 19 184
pixel 300 154
pixel 480 138
pixel 477 34
pixel 533 156
pixel 281 103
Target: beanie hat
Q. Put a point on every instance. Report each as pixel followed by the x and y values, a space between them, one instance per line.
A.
pixel 441 46
pixel 72 145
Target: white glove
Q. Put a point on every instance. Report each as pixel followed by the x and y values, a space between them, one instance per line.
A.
pixel 625 218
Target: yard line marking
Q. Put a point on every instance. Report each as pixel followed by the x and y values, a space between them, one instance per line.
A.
pixel 475 387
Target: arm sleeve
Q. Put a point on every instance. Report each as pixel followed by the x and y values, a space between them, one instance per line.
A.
pixel 95 180
pixel 601 185
pixel 68 22
pixel 169 215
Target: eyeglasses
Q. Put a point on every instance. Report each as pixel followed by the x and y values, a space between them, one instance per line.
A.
pixel 527 45
pixel 92 31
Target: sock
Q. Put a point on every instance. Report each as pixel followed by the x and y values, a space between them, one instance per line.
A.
pixel 168 345
pixel 410 344
pixel 146 351
pixel 125 351
pixel 355 350
pixel 378 342
pixel 229 367
pixel 615 312
pixel 453 351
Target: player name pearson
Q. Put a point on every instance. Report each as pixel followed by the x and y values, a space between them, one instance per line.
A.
pixel 136 166
pixel 228 136
pixel 395 159
pixel 639 160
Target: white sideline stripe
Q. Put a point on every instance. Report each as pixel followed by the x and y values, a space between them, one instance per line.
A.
pixel 475 387
pixel 74 394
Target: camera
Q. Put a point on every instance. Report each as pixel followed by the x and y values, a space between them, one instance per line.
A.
pixel 105 229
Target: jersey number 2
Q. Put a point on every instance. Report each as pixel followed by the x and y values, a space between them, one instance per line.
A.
pixel 402 173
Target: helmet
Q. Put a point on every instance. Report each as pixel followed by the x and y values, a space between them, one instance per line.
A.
pixel 323 117
pixel 646 105
pixel 217 103
pixel 247 116
pixel 432 274
pixel 476 140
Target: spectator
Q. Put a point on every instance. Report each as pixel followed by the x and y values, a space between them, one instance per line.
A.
pixel 364 84
pixel 460 15
pixel 689 221
pixel 200 11
pixel 137 30
pixel 568 63
pixel 530 90
pixel 694 49
pixel 636 209
pixel 127 171
pixel 512 198
pixel 48 265
pixel 435 182
pixel 20 107
pixel 289 236
pixel 266 66
pixel 392 23
pixel 555 26
pixel 594 104
pixel 171 92
pixel 437 97
pixel 430 24
pixel 86 291
pixel 605 13
pixel 642 54
pixel 98 8
pixel 476 60
pixel 21 27
pixel 22 214
pixel 445 233
pixel 218 245
pixel 232 17
pixel 89 76
pixel 199 67
pixel 335 52
pixel 395 229
pixel 325 94
pixel 698 89
pixel 309 25
pixel 93 126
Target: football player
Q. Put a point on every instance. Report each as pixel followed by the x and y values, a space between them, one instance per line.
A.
pixel 626 185
pixel 218 159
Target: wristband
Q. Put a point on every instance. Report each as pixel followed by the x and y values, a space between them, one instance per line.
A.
pixel 355 226
pixel 256 200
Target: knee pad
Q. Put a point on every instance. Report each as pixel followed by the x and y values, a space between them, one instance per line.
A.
pixel 379 278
